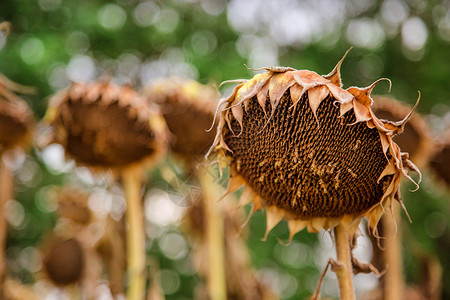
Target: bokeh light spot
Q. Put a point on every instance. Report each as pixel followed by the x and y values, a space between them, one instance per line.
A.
pixel 414 33
pixel 14 213
pixel 170 281
pixel 167 20
pixel 173 245
pixel 435 224
pixel 146 13
pixel 112 16
pixel 49 5
pixel 365 33
pixel 32 50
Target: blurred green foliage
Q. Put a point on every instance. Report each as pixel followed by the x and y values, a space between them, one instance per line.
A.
pixel 55 41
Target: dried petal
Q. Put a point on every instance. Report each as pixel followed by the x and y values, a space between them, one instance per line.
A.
pixel 315 96
pixel 274 216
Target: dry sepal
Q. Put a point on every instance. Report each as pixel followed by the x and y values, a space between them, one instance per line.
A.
pixel 415 139
pixel 188 108
pixel 16 118
pixel 107 127
pixel 310 151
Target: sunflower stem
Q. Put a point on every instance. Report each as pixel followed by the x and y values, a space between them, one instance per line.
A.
pixel 6 190
pixel 215 237
pixel 135 235
pixel 392 256
pixel 344 269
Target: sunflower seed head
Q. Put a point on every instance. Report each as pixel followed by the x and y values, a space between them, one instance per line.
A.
pixel 312 152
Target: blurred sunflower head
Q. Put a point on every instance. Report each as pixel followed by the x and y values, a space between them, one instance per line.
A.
pixel 73 205
pixel 439 162
pixel 188 108
pixel 16 118
pixel 310 151
pixel 105 126
pixel 64 260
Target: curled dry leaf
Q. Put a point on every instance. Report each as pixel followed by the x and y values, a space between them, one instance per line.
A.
pixel 310 151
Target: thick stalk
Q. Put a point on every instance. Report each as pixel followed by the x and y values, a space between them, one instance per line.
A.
pixel 215 237
pixel 343 269
pixel 6 190
pixel 135 235
pixel 392 256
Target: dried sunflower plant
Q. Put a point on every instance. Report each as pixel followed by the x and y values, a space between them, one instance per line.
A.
pixel 188 108
pixel 111 128
pixel 312 153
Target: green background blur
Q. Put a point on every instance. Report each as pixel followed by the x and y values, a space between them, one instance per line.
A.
pixel 57 41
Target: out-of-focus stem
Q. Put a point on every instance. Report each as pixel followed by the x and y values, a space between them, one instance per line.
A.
pixel 344 269
pixel 392 256
pixel 215 238
pixel 6 190
pixel 135 235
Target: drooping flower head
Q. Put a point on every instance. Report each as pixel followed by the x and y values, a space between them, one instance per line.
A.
pixel 105 126
pixel 310 151
pixel 188 108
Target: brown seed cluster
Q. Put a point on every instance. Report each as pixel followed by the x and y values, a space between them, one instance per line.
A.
pixel 105 126
pixel 16 119
pixel 309 151
pixel 308 168
pixel 188 108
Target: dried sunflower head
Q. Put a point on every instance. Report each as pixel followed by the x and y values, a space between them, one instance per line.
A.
pixel 16 118
pixel 415 138
pixel 105 126
pixel 64 261
pixel 188 108
pixel 310 151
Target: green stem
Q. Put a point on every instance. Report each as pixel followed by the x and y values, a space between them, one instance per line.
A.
pixel 344 270
pixel 135 235
pixel 215 238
